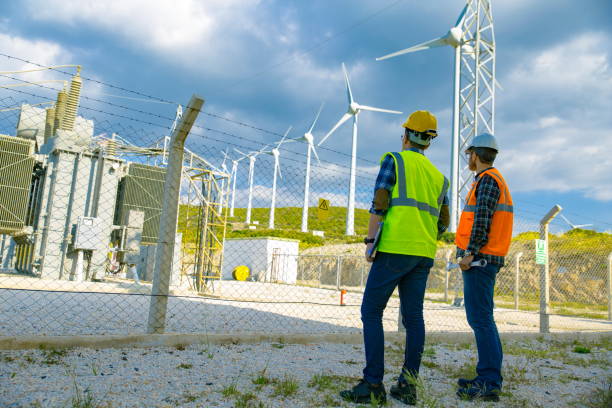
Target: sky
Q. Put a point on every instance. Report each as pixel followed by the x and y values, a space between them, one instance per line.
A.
pixel 270 64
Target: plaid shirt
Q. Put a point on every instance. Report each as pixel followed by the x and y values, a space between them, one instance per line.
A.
pixel 386 180
pixel 487 196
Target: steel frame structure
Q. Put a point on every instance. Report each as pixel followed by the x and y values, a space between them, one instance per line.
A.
pixel 475 93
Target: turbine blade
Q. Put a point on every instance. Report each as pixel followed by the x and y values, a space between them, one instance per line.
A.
pixel 370 108
pixel 348 85
pixel 438 42
pixel 244 154
pixel 499 85
pixel 316 118
pixel 279 170
pixel 315 152
pixel 343 119
pixel 284 136
pixel 461 16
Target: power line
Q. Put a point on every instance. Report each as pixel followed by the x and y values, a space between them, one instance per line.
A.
pixel 171 119
pixel 89 79
pixel 199 134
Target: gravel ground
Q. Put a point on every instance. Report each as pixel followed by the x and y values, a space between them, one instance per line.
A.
pixel 537 374
pixel 243 307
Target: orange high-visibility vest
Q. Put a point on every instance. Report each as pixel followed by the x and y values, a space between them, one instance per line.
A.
pixel 500 233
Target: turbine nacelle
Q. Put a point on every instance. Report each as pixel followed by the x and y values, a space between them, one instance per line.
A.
pixel 308 137
pixel 454 37
pixel 353 108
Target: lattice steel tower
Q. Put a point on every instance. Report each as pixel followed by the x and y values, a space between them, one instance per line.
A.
pixel 474 99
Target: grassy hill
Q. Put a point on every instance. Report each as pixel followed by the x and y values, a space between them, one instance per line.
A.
pixel 288 222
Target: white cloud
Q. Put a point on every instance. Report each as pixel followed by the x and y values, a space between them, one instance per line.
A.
pixel 40 51
pixel 564 140
pixel 210 36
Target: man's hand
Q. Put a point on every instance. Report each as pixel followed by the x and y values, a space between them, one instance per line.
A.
pixel 367 253
pixel 465 262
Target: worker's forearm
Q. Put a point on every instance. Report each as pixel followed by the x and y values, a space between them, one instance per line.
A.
pixel 373 225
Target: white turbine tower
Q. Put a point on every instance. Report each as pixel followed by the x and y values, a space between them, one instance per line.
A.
pixel 353 111
pixel 453 38
pixel 277 172
pixel 252 156
pixel 224 168
pixel 232 180
pixel 308 138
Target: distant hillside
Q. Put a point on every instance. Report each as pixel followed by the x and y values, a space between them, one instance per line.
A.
pixel 290 219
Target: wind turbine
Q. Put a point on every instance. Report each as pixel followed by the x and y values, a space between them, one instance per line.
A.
pixel 308 138
pixel 252 156
pixel 276 153
pixel 353 111
pixel 224 168
pixel 455 39
pixel 233 174
pixel 574 226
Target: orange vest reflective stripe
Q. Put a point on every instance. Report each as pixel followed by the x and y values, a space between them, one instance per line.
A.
pixel 500 233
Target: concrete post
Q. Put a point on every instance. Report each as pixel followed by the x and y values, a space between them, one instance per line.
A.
pixel 449 253
pixel 168 220
pixel 544 272
pixel 338 272
pixel 362 271
pixel 517 277
pixel 610 286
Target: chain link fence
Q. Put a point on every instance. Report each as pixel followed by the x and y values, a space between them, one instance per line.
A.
pixel 82 243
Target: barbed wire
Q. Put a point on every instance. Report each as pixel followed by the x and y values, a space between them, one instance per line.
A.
pixel 261 144
pixel 236 122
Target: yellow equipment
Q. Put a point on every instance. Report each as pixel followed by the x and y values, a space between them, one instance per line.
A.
pixel 241 273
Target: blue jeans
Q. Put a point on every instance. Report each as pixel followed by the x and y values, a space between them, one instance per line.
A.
pixel 388 272
pixel 479 283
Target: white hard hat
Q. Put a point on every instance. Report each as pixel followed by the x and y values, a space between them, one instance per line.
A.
pixel 484 140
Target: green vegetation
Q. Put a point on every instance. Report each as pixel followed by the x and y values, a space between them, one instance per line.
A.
pixel 582 350
pixel 286 387
pixel 230 391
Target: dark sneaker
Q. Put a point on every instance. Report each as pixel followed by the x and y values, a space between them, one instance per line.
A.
pixel 364 392
pixel 404 392
pixel 465 383
pixel 479 390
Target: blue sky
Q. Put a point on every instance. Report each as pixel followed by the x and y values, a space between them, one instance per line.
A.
pixel 271 63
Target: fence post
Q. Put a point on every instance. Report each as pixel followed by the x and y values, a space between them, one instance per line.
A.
pixel 449 253
pixel 544 272
pixel 167 227
pixel 362 270
pixel 338 271
pixel 610 286
pixel 517 281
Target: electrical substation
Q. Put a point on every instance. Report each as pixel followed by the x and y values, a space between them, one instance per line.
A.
pixel 81 206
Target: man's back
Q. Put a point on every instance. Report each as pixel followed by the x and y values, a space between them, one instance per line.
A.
pixel 411 224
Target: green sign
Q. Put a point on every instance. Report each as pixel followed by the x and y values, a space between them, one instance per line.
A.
pixel 540 249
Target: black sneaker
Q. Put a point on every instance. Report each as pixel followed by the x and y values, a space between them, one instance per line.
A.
pixel 479 390
pixel 404 392
pixel 465 383
pixel 364 392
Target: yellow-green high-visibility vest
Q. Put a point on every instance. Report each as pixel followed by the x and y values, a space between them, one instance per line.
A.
pixel 411 223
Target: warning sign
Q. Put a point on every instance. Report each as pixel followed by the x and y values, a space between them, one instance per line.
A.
pixel 540 247
pixel 323 209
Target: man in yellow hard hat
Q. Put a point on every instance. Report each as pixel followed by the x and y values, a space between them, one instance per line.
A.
pixel 410 197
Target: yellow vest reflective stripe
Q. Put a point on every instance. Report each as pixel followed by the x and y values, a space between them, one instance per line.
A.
pixel 411 224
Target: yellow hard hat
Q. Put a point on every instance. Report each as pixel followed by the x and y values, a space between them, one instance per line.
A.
pixel 423 122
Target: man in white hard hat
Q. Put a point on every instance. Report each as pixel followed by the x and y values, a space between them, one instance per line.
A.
pixel 410 194
pixel 484 233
